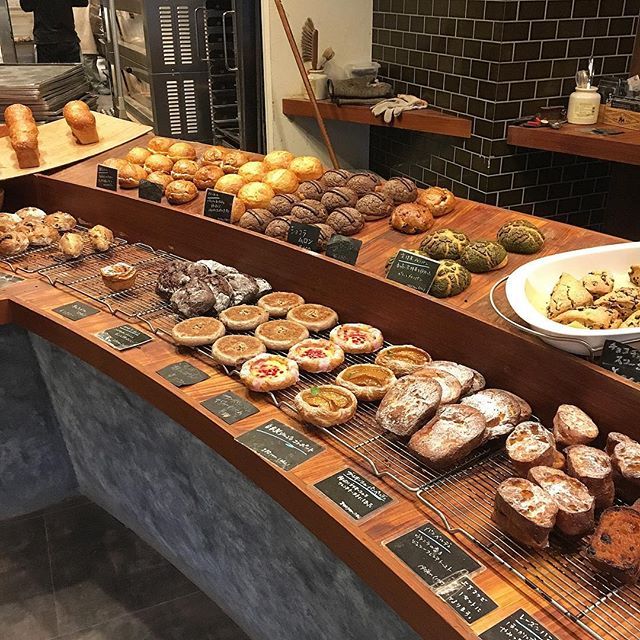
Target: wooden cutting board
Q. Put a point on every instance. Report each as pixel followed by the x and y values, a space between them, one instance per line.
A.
pixel 58 146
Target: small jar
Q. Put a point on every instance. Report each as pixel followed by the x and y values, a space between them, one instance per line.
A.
pixel 584 106
pixel 319 83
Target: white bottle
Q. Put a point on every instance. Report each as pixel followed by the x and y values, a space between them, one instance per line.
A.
pixel 319 83
pixel 584 106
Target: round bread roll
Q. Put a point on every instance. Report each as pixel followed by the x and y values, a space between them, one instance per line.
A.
pixel 438 200
pixel 269 372
pixel 184 170
pixel 233 160
pixel 180 150
pixel 256 195
pixel 43 235
pixel 115 163
pixel 213 156
pixel 181 192
pixel 256 219
pixel 232 351
pixel 411 218
pixel 28 225
pixel 101 237
pixel 130 175
pixel 31 212
pixel 278 160
pixel 230 183
pixel 279 303
pixel 317 355
pixel 198 331
pixel 158 144
pixel 207 176
pixel 158 162
pixel 252 171
pixel 238 209
pixel 13 243
pixel 307 168
pixel 281 335
pixel 315 317
pixel 61 221
pixel 161 179
pixel 367 382
pixel 71 245
pixel 137 155
pixel 326 405
pixel 244 317
pixel 282 181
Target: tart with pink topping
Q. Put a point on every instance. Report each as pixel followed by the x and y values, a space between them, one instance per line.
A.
pixel 317 355
pixel 269 372
pixel 357 338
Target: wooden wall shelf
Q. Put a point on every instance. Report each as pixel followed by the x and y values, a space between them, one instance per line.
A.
pixel 425 120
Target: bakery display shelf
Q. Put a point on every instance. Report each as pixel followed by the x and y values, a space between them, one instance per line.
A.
pixel 601 605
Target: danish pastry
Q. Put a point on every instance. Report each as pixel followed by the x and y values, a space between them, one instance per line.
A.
pixel 403 360
pixel 327 405
pixel 368 382
pixel 269 372
pixel 357 338
pixel 118 276
pixel 317 355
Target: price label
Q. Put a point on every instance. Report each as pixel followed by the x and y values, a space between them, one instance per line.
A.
pixel 124 337
pixel 468 600
pixel 432 556
pixel 76 310
pixel 281 445
pixel 353 493
pixel 344 249
pixel 305 236
pixel 518 626
pixel 107 178
pixel 622 359
pixel 150 191
pixel 7 278
pixel 230 407
pixel 182 374
pixel 218 205
pixel 413 270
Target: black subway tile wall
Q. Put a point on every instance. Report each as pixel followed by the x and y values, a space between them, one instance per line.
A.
pixel 495 61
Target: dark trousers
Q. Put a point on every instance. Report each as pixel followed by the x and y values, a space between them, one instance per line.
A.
pixel 58 52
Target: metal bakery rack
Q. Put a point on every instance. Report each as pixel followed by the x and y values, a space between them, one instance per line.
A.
pixel 462 497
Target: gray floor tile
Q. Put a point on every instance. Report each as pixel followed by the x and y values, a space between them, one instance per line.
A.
pixel 102 570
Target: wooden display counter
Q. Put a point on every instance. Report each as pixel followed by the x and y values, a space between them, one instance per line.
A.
pixel 539 373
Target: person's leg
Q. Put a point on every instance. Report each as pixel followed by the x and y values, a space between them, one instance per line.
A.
pixel 65 52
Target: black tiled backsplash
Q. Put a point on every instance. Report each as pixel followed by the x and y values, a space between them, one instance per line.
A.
pixel 495 61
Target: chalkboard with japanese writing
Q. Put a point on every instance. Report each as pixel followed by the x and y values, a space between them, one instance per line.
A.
pixel 305 236
pixel 431 555
pixel 353 493
pixel 344 249
pixel 413 270
pixel 469 601
pixel 622 359
pixel 76 310
pixel 218 205
pixel 107 177
pixel 518 626
pixel 182 374
pixel 150 191
pixel 6 279
pixel 124 337
pixel 280 444
pixel 230 407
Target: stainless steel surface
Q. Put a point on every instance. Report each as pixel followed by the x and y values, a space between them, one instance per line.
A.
pixel 225 40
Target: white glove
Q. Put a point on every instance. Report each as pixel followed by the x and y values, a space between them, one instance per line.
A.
pixel 394 107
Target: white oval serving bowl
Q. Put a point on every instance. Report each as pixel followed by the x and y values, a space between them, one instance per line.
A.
pixel 529 288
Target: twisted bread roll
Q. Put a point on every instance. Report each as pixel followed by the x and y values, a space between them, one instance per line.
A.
pixel 23 135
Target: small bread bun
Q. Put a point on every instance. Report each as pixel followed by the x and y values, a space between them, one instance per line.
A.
pixel 71 244
pixel 207 176
pixel 282 181
pixel 115 163
pixel 130 175
pixel 42 235
pixel 256 195
pixel 31 212
pixel 101 237
pixel 158 144
pixel 158 162
pixel 180 150
pixel 307 168
pixel 160 178
pixel 281 334
pixel 316 317
pixel 231 183
pixel 278 160
pixel 61 221
pixel 137 155
pixel 233 160
pixel 181 192
pixel 10 220
pixel 13 243
pixel 213 156
pixel 184 170
pixel 252 171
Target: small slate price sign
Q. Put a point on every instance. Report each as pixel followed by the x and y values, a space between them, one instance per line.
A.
pixel 344 249
pixel 518 626
pixel 305 236
pixel 431 555
pixel 218 205
pixel 76 310
pixel 413 270
pixel 182 374
pixel 280 444
pixel 6 279
pixel 107 178
pixel 150 191
pixel 469 601
pixel 124 337
pixel 353 494
pixel 621 359
pixel 230 407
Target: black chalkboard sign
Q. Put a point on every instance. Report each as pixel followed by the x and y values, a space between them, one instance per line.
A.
pixel 622 359
pixel 469 601
pixel 431 555
pixel 182 374
pixel 124 337
pixel 230 407
pixel 353 493
pixel 218 205
pixel 6 279
pixel 413 270
pixel 76 310
pixel 107 178
pixel 283 446
pixel 305 236
pixel 150 191
pixel 518 626
pixel 344 249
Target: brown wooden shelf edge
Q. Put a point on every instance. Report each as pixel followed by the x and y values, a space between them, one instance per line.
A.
pixel 424 120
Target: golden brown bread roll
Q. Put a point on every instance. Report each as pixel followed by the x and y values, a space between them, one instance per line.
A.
pixel 71 244
pixel 256 195
pixel 81 121
pixel 182 150
pixel 160 178
pixel 13 242
pixel 252 171
pixel 101 237
pixel 214 156
pixel 158 162
pixel 130 175
pixel 61 221
pixel 138 155
pixel 158 144
pixel 184 169
pixel 233 160
pixel 231 183
pixel 207 176
pixel 115 163
pixel 307 167
pixel 43 235
pixel 278 160
pixel 181 192
pixel 23 135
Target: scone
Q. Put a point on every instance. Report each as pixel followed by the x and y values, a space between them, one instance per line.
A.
pixel 357 338
pixel 232 351
pixel 403 360
pixel 625 300
pixel 317 355
pixel 13 243
pixel 590 318
pixel 31 212
pixel 438 200
pixel 315 317
pixel 243 317
pixel 368 382
pixel 61 221
pixel 279 303
pixel 101 237
pixel 269 372
pixel 71 245
pixel 325 406
pixel 198 331
pixel 568 293
pixel 598 283
pixel 411 218
pixel 281 335
pixel 42 235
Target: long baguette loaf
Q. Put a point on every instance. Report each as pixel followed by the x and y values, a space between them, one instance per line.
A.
pixel 23 135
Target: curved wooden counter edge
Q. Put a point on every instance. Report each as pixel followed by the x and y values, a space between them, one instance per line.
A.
pixel 29 305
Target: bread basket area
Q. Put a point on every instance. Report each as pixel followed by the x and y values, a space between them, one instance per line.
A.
pixel 528 289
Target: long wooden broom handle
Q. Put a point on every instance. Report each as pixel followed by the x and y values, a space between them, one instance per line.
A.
pixel 307 84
